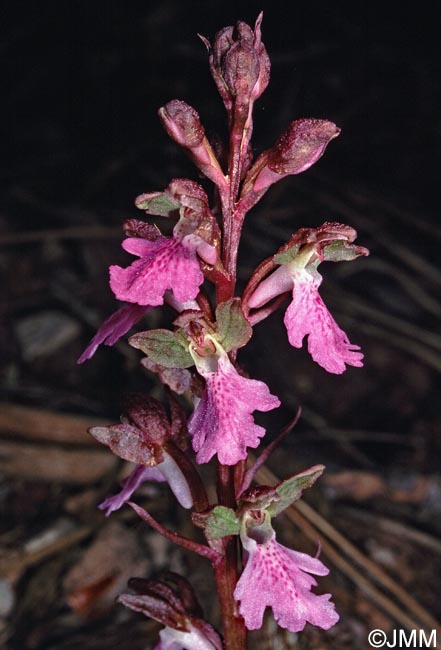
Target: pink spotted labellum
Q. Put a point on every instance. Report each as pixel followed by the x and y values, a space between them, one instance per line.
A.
pixel 167 262
pixel 307 315
pixel 278 577
pixel 222 422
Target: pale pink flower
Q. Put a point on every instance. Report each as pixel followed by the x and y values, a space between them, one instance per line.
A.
pixel 193 639
pixel 307 315
pixel 137 477
pixel 166 471
pixel 222 422
pixel 118 324
pixel 277 577
pixel 165 263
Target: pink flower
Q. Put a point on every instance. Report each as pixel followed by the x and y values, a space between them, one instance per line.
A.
pixel 277 577
pixel 222 422
pixel 165 263
pixel 307 315
pixel 114 328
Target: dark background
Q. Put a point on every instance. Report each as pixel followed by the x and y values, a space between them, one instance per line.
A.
pixel 81 139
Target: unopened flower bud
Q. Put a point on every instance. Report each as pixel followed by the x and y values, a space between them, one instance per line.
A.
pixel 239 63
pixel 302 144
pixel 182 123
pixel 241 70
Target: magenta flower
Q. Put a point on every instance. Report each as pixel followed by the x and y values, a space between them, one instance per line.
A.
pixel 222 422
pixel 118 324
pixel 277 577
pixel 165 263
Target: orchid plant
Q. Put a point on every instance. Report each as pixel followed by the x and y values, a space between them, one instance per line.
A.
pixel 195 271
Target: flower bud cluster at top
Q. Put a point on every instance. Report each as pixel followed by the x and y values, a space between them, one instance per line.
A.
pixel 196 356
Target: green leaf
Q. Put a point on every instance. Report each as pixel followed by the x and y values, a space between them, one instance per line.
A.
pixel 232 328
pixel 220 522
pixel 288 255
pixel 342 251
pixel 160 204
pixel 289 491
pixel 163 347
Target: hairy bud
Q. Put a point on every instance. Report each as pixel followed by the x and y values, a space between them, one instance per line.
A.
pixel 239 63
pixel 297 149
pixel 182 123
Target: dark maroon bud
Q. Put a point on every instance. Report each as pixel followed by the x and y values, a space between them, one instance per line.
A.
pixel 157 608
pixel 239 63
pixel 302 144
pixel 241 70
pixel 149 415
pixel 189 194
pixel 182 123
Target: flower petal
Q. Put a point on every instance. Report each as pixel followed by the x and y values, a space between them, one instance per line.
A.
pixel 167 471
pixel 140 475
pixel 114 328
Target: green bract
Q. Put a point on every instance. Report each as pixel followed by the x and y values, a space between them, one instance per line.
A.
pixel 164 347
pixel 220 522
pixel 289 491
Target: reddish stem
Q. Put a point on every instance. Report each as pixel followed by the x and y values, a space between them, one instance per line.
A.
pixel 226 571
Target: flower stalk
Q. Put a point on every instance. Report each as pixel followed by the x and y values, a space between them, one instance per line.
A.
pixel 196 358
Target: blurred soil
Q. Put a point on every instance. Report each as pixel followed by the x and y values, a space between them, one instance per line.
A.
pixel 81 141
